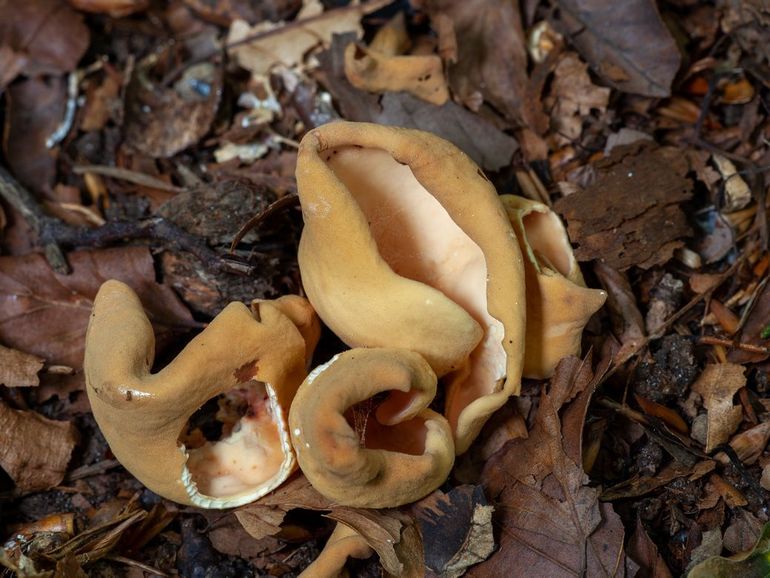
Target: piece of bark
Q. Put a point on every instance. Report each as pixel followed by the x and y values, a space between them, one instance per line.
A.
pixel 631 214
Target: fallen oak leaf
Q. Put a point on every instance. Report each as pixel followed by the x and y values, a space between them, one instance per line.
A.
pixel 552 522
pixel 19 369
pixel 46 314
pixel 35 450
pixel 717 385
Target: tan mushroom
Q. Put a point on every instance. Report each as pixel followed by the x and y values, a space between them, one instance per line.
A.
pixel 558 302
pixel 344 543
pixel 383 68
pixel 257 359
pixel 365 452
pixel 407 245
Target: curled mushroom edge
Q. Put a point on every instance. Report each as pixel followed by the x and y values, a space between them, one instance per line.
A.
pixel 359 449
pixel 559 304
pixel 257 359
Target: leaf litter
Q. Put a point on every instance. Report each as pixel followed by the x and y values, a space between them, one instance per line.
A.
pixel 142 138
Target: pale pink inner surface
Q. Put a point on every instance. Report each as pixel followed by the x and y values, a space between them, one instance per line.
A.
pixel 549 243
pixel 420 241
pixel 245 459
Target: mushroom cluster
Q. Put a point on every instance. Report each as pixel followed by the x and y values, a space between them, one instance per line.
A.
pixel 414 261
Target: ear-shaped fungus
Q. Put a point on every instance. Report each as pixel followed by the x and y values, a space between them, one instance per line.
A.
pixel 558 302
pixel 257 359
pixel 407 245
pixel 381 67
pixel 344 543
pixel 359 450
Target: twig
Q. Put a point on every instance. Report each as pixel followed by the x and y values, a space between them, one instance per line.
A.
pixel 127 175
pixel 256 220
pixel 91 470
pixel 54 233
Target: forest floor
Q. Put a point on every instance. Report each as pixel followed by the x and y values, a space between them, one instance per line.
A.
pixel 155 142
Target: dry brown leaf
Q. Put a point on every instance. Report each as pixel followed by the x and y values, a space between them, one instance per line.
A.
pixel 46 314
pixel 750 444
pixel 456 529
pixel 618 218
pixel 717 385
pixel 35 107
pixel 626 43
pixel 35 450
pixel 573 96
pixel 552 522
pixel 387 531
pixel 287 44
pixel 179 116
pixel 491 58
pixel 753 330
pixel 19 369
pixel 640 485
pixel 40 37
pixel 644 552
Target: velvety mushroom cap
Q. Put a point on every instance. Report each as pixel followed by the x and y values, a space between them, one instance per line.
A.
pixel 142 415
pixel 407 245
pixel 365 452
pixel 558 302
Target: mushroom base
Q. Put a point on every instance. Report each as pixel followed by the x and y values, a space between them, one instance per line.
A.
pixel 250 451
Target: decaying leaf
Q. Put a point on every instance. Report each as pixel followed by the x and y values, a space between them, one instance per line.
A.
pixel 19 369
pixel 456 529
pixel 389 532
pixel 40 37
pixel 287 44
pixel 631 214
pixel 35 107
pixel 737 192
pixel 573 96
pixel 717 385
pixel 486 145
pixel 626 43
pixel 644 552
pixel 552 522
pixel 46 314
pixel 35 450
pixel 756 562
pixel 491 57
pixel 163 121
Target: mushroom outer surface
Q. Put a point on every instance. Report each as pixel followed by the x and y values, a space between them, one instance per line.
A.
pixel 407 245
pixel 558 302
pixel 142 414
pixel 371 457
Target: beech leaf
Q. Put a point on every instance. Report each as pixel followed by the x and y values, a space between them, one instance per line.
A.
pixel 46 314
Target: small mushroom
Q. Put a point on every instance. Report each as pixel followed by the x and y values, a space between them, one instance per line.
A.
pixel 407 245
pixel 259 359
pixel 382 67
pixel 344 543
pixel 361 450
pixel 558 302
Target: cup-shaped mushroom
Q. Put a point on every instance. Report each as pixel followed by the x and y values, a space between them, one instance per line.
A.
pixel 558 302
pixel 253 361
pixel 362 431
pixel 344 543
pixel 407 245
